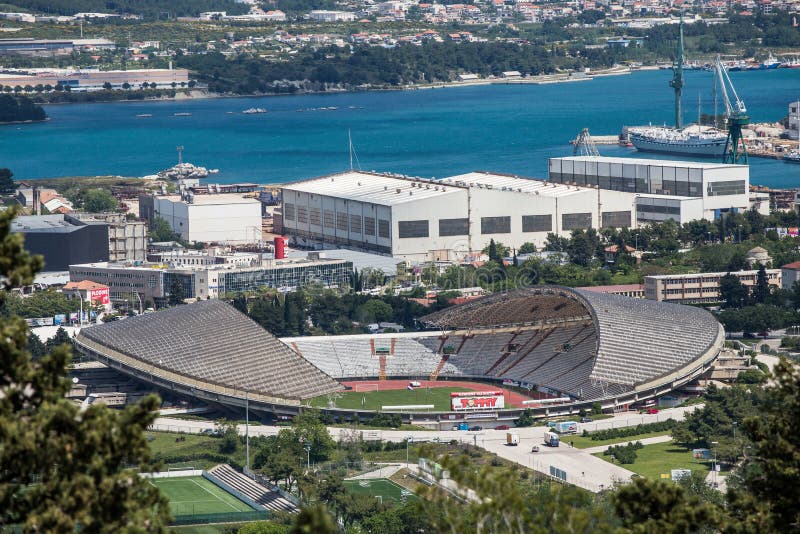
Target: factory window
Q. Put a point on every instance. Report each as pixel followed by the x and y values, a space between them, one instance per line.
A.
pixel 302 214
pixel 537 223
pixel 355 224
pixel 655 208
pixel 151 281
pixel 731 187
pixel 617 219
pixel 288 211
pixel 495 225
pixel 576 221
pixel 314 216
pixel 412 229
pixel 383 228
pixel 327 218
pixel 450 227
pixel 369 225
pixel 341 221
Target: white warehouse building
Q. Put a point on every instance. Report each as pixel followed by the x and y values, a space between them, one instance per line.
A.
pixel 223 218
pixel 442 220
pixel 680 190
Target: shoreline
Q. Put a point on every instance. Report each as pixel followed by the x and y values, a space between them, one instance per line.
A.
pixel 541 79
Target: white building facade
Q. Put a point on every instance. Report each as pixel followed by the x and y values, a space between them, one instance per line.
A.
pixel 226 218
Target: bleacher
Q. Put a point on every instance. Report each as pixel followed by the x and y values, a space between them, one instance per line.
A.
pixel 261 495
pixel 213 342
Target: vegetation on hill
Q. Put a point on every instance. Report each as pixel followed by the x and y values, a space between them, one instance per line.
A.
pixel 19 109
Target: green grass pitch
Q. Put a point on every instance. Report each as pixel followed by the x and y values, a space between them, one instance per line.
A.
pixel 380 487
pixel 196 495
pixel 373 400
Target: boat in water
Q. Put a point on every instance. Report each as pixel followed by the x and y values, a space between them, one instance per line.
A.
pixel 183 114
pixel 793 156
pixel 769 63
pixel 144 115
pixel 253 111
pixel 693 140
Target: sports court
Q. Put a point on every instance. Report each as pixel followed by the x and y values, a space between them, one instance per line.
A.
pixel 380 488
pixel 196 495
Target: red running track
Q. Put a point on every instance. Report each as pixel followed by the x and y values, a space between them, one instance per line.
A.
pixel 512 397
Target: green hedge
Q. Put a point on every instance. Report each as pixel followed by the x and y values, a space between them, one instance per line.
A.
pixel 624 432
pixel 624 454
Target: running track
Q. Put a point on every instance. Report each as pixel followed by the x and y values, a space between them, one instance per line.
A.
pixel 512 397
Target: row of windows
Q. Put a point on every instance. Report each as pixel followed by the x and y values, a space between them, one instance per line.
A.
pixel 732 187
pixel 633 185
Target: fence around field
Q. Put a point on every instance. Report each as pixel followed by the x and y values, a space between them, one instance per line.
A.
pixel 225 517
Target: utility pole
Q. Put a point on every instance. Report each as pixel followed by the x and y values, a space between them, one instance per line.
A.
pixel 247 428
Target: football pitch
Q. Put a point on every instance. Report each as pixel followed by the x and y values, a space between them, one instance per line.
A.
pixel 196 495
pixel 381 488
pixel 373 400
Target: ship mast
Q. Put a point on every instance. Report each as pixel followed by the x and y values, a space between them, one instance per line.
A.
pixel 677 81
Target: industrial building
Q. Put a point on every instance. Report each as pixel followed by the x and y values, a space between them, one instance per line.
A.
pixel 442 220
pixel 127 239
pixel 699 288
pixel 96 80
pixel 63 240
pixel 194 275
pixel 30 46
pixel 680 190
pixel 223 218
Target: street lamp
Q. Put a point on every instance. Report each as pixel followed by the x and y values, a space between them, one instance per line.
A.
pixel 307 447
pixel 409 438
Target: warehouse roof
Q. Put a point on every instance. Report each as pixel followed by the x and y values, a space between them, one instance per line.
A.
pixel 384 189
pixel 656 162
pixel 517 184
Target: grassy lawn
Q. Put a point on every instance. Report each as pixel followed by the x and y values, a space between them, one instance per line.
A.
pixel 653 460
pixel 384 488
pixel 171 444
pixel 585 442
pixel 196 495
pixel 373 400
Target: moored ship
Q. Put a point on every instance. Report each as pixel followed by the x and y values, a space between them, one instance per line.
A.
pixel 694 140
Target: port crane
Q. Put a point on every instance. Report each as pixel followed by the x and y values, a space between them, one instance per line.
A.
pixel 735 117
pixel 584 144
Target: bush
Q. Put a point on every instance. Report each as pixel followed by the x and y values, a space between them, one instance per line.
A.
pixel 526 419
pixel 393 420
pixel 624 454
pixel 614 433
pixel 597 408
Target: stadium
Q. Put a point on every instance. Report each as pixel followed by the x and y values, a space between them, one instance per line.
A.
pixel 552 349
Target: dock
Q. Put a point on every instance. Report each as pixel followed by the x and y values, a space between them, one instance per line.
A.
pixel 602 140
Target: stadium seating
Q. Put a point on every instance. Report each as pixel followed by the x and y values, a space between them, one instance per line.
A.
pixel 271 500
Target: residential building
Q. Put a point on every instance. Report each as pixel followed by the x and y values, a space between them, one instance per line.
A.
pixel 790 273
pixel 699 288
pixel 90 292
pixel 322 15
pixel 127 239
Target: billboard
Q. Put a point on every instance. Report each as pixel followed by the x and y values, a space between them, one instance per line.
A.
pixel 99 296
pixel 477 400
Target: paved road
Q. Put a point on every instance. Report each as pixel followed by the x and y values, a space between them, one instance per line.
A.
pixel 581 468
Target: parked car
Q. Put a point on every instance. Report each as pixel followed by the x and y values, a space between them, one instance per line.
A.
pixel 586 419
pixel 652 411
pixel 502 427
pixel 475 428
pixel 535 448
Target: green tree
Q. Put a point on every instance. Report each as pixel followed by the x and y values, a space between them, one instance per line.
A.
pixel 35 347
pixel 229 434
pixel 64 467
pixel 61 338
pixel 176 292
pixel 161 231
pixel 7 185
pixel 732 291
pixel 99 201
pixel 527 248
pixel 264 527
pixel 762 290
pixel 374 311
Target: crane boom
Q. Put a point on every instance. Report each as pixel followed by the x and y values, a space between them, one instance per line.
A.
pixel 735 117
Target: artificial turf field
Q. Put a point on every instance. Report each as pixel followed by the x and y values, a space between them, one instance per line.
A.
pixel 196 495
pixel 379 487
pixel 373 400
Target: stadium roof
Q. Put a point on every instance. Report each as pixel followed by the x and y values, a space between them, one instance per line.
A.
pixel 383 189
pixel 515 184
pixel 637 339
pixel 212 342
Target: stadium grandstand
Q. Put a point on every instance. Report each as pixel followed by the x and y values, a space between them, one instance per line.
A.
pixel 563 342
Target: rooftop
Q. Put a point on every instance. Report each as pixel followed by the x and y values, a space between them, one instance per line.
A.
pixel 722 273
pixel 384 189
pixel 512 183
pixel 84 285
pixel 207 200
pixel 652 162
pixel 48 224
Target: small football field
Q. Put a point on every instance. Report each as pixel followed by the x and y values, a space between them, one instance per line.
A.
pixel 380 488
pixel 195 496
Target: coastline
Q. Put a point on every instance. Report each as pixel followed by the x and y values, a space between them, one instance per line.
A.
pixel 29 121
pixel 541 79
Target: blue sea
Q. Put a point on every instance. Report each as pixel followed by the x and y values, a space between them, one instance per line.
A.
pixel 431 133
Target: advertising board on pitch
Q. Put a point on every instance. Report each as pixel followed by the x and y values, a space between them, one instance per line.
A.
pixel 477 400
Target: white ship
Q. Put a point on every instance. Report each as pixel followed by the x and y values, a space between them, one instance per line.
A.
pixel 693 140
pixel 252 111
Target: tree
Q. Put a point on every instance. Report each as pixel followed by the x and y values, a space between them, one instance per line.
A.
pixel 7 185
pixel 527 248
pixel 176 292
pixel 35 347
pixel 160 231
pixel 732 291
pixel 374 311
pixel 107 86
pixel 762 290
pixel 80 458
pixel 61 338
pixel 99 201
pixel 229 433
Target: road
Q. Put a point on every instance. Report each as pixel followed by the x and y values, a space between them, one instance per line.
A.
pixel 580 467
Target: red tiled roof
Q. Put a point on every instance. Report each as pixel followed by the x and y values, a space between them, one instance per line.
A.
pixel 84 285
pixel 793 265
